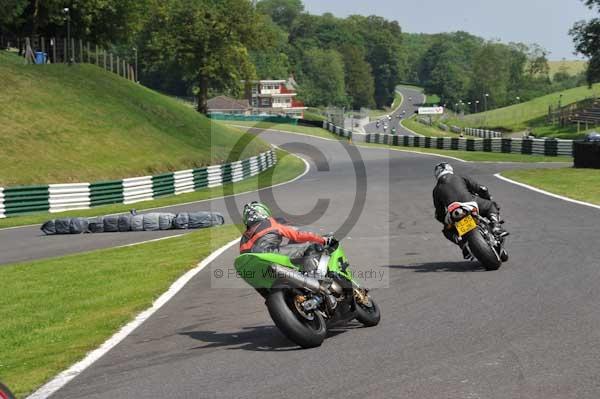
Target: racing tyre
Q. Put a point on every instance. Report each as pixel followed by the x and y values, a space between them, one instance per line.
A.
pixel 306 330
pixel 369 315
pixel 482 251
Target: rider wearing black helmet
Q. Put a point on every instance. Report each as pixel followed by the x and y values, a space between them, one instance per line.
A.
pixel 453 188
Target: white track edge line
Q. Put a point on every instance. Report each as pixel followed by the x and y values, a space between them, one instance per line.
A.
pixel 64 377
pixel 538 190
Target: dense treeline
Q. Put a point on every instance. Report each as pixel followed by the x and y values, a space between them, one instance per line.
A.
pixel 205 47
pixel 587 42
pixel 471 74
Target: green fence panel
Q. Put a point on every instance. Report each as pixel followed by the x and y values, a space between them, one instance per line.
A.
pixel 20 200
pixel 163 184
pixel 106 192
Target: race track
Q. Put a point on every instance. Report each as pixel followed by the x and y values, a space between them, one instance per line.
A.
pixel 412 99
pixel 448 330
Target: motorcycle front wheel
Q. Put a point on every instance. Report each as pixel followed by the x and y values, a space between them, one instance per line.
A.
pixel 367 310
pixel 482 250
pixel 306 330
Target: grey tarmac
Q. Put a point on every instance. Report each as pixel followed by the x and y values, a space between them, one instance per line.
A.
pixel 449 329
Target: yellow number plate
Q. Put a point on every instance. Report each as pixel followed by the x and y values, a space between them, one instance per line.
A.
pixel 465 225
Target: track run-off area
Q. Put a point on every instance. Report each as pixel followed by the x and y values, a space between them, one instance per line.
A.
pixel 448 330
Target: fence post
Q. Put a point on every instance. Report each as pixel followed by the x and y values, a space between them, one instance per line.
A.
pixel 65 50
pixel 111 62
pixel 96 55
pixel 124 70
pixel 81 51
pixel 53 42
pixel 118 65
pixel 88 52
pixel 104 56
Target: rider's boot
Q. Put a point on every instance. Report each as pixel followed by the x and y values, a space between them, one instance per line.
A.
pixel 496 225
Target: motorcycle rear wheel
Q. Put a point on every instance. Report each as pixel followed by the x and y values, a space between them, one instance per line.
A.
pixel 482 251
pixel 295 326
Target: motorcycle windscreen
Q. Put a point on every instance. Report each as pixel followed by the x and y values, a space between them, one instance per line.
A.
pixel 254 268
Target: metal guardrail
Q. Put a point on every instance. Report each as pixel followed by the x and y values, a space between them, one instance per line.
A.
pixel 548 147
pixel 63 197
pixel 483 133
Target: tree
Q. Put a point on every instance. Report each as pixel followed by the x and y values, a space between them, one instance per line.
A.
pixel 321 78
pixel 538 61
pixel 272 62
pixel 11 14
pixel 360 87
pixel 282 12
pixel 102 21
pixel 586 36
pixel 382 40
pixel 209 41
pixel 491 73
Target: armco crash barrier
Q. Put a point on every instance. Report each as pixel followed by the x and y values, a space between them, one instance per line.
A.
pixel 63 197
pixel 548 147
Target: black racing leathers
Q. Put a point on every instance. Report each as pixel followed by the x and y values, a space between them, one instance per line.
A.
pixel 453 188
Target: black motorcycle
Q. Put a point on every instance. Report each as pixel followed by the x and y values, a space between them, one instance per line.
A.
pixel 481 242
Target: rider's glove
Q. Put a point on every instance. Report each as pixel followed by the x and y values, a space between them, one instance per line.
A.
pixel 330 241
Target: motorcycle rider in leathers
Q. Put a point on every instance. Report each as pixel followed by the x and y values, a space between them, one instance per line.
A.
pixel 454 188
pixel 266 234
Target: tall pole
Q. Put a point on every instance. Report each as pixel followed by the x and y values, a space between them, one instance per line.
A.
pixel 135 79
pixel 485 98
pixel 69 53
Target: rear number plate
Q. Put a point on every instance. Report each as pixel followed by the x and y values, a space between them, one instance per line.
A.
pixel 465 225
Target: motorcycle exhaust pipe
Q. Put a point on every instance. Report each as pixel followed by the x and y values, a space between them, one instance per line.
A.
pixel 299 280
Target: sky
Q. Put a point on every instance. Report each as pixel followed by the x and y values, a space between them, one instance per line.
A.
pixel 546 22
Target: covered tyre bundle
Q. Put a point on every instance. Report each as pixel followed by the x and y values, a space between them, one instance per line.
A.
pixel 151 221
pixel 124 222
pixel 62 226
pixel 49 227
pixel 111 224
pixel 198 220
pixel 137 223
pixel 165 221
pixel 181 221
pixel 96 225
pixel 78 226
pixel 66 226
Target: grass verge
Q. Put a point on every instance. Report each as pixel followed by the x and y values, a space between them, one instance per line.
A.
pixel 56 310
pixel 429 131
pixel 287 168
pixel 378 113
pixel 518 117
pixel 579 184
pixel 79 123
pixel 285 127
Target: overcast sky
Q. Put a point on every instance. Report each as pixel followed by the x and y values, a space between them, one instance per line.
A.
pixel 546 22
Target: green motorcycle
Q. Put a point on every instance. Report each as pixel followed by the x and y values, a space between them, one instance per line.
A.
pixel 307 296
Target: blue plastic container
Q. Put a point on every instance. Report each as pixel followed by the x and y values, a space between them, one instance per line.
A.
pixel 40 57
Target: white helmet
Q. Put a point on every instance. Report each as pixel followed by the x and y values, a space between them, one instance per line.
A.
pixel 442 169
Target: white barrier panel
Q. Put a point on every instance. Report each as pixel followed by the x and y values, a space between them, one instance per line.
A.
pixel 183 181
pixel 137 189
pixel 64 197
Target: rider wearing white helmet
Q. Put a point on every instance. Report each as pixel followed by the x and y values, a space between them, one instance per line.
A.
pixel 453 188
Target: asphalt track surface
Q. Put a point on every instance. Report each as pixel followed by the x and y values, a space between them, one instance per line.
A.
pixel 449 329
pixel 412 99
